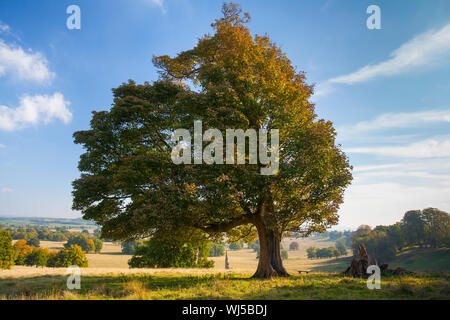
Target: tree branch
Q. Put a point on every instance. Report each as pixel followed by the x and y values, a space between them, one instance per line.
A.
pixel 226 226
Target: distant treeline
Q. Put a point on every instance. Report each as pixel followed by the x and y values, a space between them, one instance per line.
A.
pixel 28 253
pixel 334 236
pixel 338 250
pixel 29 233
pixel 41 233
pixel 46 222
pixel 424 228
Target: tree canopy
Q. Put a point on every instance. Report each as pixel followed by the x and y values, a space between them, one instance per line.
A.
pixel 230 79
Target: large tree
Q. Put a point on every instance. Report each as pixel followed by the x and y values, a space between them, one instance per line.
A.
pixel 230 79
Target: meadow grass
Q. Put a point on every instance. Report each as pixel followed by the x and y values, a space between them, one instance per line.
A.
pixel 168 286
pixel 423 259
pixel 108 277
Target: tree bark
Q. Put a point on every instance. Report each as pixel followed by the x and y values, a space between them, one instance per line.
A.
pixel 270 263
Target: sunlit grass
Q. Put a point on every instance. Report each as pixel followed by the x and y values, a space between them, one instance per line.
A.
pixel 225 286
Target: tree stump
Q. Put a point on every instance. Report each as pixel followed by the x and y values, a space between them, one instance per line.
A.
pixel 358 266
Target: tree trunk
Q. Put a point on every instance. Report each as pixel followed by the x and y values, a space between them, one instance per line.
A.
pixel 270 263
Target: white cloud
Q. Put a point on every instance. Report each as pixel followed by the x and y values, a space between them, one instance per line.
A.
pixel 430 148
pixel 396 120
pixel 30 66
pixel 375 167
pixel 6 190
pixel 424 49
pixel 33 110
pixel 2 146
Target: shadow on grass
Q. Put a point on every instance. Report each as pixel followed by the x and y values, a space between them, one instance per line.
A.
pixel 223 286
pixel 335 265
pixel 112 286
pixel 112 254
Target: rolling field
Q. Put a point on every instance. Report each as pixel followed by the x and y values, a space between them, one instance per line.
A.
pixel 108 277
pixel 182 286
pixel 111 259
pixel 428 260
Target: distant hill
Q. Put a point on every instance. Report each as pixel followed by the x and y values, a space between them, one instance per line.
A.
pixel 77 223
pixel 423 260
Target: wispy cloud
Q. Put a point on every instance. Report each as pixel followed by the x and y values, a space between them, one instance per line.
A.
pixel 437 147
pixel 24 65
pixel 158 3
pixel 2 146
pixel 376 167
pixel 33 110
pixel 423 50
pixel 397 120
pixel 6 190
pixel 420 51
pixel 4 28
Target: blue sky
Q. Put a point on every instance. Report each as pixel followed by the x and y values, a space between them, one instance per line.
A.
pixel 387 91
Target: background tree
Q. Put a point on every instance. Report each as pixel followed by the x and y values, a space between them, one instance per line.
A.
pixel 334 235
pixel 159 252
pixel 377 243
pixel 362 229
pixel 414 227
pixel 340 246
pixel 437 227
pixel 66 257
pixel 294 246
pixel 21 251
pixel 230 79
pixel 86 244
pixel 217 250
pixel 98 245
pixel 129 247
pixel 6 250
pixel 311 252
pixel 235 246
pixel 38 257
pixel 34 242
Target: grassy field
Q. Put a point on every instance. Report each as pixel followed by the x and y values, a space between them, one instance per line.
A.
pixel 426 260
pixel 224 286
pixel 243 261
pixel 108 277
